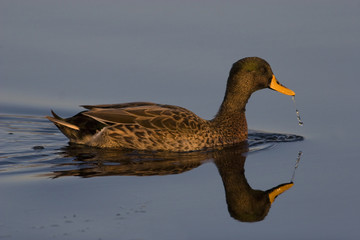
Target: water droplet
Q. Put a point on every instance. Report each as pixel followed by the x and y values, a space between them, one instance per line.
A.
pixel 301 123
pixel 296 165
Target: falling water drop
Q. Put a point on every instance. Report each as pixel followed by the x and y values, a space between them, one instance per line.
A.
pixel 301 123
pixel 296 165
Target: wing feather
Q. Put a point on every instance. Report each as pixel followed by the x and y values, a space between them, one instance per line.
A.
pixel 146 115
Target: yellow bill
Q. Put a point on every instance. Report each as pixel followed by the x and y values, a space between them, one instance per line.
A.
pixel 275 85
pixel 279 190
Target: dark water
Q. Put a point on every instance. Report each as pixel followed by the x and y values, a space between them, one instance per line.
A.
pixel 61 54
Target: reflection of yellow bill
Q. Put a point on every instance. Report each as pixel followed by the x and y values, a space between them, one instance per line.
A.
pixel 275 85
pixel 279 190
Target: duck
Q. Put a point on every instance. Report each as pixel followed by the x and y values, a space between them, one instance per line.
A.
pixel 147 126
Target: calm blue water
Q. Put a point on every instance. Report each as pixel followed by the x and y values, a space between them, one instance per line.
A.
pixel 58 55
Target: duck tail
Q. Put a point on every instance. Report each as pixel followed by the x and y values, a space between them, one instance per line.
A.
pixel 55 115
pixel 71 131
pixel 58 121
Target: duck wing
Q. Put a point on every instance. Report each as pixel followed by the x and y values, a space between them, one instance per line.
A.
pixel 142 126
pixel 146 115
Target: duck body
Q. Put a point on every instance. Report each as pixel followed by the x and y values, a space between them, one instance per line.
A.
pixel 148 126
pixel 159 127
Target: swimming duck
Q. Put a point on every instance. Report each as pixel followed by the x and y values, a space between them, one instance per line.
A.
pixel 160 127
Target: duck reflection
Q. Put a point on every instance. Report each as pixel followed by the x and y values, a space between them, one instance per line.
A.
pixel 244 203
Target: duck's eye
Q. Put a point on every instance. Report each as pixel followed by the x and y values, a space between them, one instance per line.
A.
pixel 263 70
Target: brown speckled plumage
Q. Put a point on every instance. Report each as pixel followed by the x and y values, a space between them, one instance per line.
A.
pixel 157 127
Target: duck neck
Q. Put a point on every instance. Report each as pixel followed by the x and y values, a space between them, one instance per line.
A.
pixel 230 121
pixel 232 105
pixel 238 92
pixel 232 109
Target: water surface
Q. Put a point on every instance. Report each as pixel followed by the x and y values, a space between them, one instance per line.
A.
pixel 61 54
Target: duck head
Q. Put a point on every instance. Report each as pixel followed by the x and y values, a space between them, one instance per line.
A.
pixel 247 76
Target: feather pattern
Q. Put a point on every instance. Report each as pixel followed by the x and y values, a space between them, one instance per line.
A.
pixel 148 127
